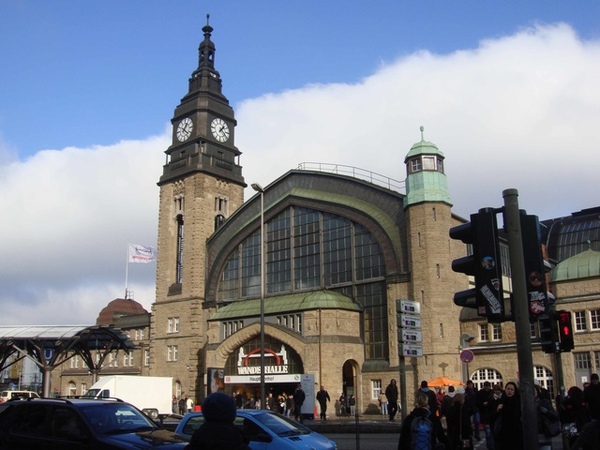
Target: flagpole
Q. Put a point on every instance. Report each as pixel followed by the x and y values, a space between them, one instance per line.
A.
pixel 126 269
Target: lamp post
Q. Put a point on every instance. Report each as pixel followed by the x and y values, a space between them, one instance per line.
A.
pixel 258 188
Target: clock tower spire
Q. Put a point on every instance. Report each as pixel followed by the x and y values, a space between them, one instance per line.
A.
pixel 203 125
pixel 200 187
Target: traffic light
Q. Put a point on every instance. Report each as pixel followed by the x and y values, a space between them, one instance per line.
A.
pixel 484 264
pixel 565 330
pixel 548 333
pixel 534 266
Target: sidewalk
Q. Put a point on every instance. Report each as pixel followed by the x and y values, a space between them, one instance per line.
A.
pixel 376 423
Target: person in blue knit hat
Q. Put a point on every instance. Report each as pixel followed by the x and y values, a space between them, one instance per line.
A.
pixel 218 432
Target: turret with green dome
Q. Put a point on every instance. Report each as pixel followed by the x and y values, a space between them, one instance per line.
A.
pixel 425 180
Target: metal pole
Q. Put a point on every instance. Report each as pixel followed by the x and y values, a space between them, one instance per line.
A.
pixel 258 188
pixel 521 317
pixel 263 404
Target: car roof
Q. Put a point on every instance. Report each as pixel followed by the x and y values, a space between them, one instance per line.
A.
pixel 73 401
pixel 239 412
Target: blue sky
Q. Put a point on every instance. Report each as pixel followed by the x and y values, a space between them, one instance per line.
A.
pixel 507 90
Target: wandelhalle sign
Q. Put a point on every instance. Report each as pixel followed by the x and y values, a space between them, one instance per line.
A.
pixel 277 367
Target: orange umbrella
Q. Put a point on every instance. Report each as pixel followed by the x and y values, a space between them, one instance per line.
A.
pixel 444 381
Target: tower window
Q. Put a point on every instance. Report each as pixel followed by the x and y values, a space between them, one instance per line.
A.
pixel 179 260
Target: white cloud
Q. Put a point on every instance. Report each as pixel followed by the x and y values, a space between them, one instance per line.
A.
pixel 517 112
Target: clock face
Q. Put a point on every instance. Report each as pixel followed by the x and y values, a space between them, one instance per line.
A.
pixel 220 130
pixel 184 129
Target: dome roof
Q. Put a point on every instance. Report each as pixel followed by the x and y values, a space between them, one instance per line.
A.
pixel 583 265
pixel 119 307
pixel 423 148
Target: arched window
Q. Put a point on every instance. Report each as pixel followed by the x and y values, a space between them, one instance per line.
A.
pixel 543 378
pixel 308 250
pixel 482 375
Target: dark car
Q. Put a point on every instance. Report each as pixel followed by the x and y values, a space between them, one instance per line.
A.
pixel 69 424
pixel 265 430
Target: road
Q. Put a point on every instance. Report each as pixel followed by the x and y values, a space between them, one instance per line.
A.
pixel 368 441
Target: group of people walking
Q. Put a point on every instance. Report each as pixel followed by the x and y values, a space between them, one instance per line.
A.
pixel 463 415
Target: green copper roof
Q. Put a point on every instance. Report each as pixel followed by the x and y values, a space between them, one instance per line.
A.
pixel 583 265
pixel 303 301
pixel 423 148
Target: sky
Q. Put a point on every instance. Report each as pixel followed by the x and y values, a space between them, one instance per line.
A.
pixel 507 90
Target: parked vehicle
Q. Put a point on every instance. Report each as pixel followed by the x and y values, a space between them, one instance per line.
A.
pixel 73 424
pixel 17 395
pixel 265 430
pixel 153 395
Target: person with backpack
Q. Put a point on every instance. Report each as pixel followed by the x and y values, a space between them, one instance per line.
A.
pixel 422 430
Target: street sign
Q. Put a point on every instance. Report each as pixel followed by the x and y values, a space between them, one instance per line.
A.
pixel 466 356
pixel 410 307
pixel 412 350
pixel 410 321
pixel 411 336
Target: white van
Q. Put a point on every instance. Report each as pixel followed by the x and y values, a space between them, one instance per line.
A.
pixel 17 395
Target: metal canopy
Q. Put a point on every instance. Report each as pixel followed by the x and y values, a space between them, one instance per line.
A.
pixel 51 346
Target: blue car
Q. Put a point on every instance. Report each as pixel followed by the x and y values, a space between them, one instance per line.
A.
pixel 265 430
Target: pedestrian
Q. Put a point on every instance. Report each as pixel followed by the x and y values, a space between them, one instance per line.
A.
pixel 271 402
pixel 545 412
pixel 430 395
pixel 289 405
pixel 352 404
pixel 383 404
pixel 508 429
pixel 299 397
pixel 218 430
pixel 460 430
pixel 573 413
pixel 410 437
pixel 471 400
pixel 189 404
pixel 497 394
pixel 323 398
pixel 447 401
pixel 174 406
pixel 343 404
pixel 391 393
pixel 591 394
pixel 483 404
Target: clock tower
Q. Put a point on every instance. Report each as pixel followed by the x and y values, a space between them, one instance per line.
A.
pixel 200 187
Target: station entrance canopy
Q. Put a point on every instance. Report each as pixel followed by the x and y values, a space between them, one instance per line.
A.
pixel 51 346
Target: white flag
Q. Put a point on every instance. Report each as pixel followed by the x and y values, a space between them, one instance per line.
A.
pixel 141 254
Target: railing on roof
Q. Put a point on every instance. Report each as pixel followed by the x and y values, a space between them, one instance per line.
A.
pixel 367 175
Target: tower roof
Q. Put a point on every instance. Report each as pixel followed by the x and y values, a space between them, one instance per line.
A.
pixel 583 265
pixel 117 308
pixel 423 147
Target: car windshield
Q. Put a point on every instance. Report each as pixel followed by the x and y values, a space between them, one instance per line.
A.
pixel 115 418
pixel 280 425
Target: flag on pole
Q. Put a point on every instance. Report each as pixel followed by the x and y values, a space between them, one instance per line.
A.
pixel 141 254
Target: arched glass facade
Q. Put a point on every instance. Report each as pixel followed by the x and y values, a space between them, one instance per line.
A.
pixel 308 250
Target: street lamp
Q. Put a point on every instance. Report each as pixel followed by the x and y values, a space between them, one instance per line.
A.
pixel 258 188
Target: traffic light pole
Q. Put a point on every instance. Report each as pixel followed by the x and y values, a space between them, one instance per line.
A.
pixel 512 223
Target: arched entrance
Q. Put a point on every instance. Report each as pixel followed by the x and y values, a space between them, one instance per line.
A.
pixel 350 386
pixel 283 369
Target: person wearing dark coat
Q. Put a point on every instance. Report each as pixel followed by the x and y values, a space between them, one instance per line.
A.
pixel 591 394
pixel 391 393
pixel 323 398
pixel 218 432
pixel 483 404
pixel 508 429
pixel 574 413
pixel 544 408
pixel 459 422
pixel 422 410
